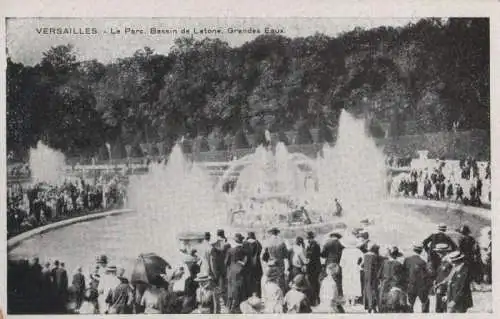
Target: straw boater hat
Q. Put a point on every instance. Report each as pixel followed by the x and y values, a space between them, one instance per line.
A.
pixel 456 256
pixel 442 247
pixel 274 231
pixel 202 278
pixel 111 269
pixel 442 227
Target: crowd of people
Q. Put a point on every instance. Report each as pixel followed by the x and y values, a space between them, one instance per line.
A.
pixel 468 186
pixel 246 276
pixel 35 205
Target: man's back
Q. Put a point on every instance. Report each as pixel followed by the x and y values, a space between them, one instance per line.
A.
pixel 416 270
pixel 276 248
pixel 60 278
pixel 438 238
pixel 332 251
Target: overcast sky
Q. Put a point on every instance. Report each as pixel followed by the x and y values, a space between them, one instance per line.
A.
pixel 25 44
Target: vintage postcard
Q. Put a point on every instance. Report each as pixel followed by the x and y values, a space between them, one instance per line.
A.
pixel 248 165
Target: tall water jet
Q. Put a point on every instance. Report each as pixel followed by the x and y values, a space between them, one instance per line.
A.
pixel 354 170
pixel 47 165
pixel 171 198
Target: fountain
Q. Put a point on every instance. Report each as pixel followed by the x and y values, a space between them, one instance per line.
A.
pixel 174 197
pixel 47 165
pixel 353 171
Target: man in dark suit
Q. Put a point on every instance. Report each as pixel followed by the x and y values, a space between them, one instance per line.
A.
pixel 60 279
pixel 471 251
pixel 236 260
pixel 254 264
pixel 332 252
pixel 221 246
pixel 430 243
pixel 459 295
pixel 313 269
pixel 275 251
pixel 418 279
pixel 79 287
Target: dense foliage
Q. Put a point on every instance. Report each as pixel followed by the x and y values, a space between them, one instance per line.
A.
pixel 432 75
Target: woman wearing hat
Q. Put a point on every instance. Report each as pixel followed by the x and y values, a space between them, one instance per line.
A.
pixel 392 274
pixel 296 300
pixel 205 295
pixel 350 263
pixel 107 283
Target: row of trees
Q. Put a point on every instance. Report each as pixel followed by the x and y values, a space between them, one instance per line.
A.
pixel 434 74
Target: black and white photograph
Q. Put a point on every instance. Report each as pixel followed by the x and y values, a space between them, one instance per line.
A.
pixel 248 165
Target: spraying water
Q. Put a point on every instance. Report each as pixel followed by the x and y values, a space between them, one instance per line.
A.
pixel 354 170
pixel 175 197
pixel 47 165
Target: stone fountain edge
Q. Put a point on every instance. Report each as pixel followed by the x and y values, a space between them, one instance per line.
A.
pixel 16 240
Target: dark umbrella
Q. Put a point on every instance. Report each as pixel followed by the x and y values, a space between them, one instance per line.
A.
pixel 147 267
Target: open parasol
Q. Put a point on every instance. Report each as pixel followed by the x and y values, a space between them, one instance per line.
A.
pixel 147 267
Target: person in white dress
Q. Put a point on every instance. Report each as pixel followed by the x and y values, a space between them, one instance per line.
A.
pixel 351 260
pixel 107 282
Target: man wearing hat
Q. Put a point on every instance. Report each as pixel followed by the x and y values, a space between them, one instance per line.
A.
pixel 313 268
pixel 430 243
pixel 442 274
pixel 219 252
pixel 275 250
pixel 237 258
pixel 392 274
pixel 60 282
pixel 419 280
pixel 332 252
pixel 471 251
pixel 371 266
pixel 459 295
